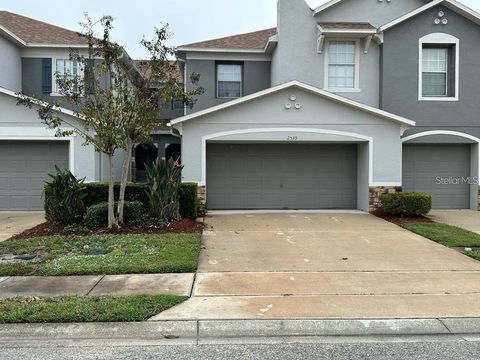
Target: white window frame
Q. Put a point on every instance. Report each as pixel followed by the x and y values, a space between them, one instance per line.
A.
pixel 356 87
pixel 438 39
pixel 217 81
pixel 54 72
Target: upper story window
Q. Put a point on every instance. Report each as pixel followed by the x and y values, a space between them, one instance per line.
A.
pixel 229 80
pixel 342 70
pixel 438 68
pixel 66 68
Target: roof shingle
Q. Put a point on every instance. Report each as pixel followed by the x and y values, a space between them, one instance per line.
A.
pixel 347 26
pixel 253 40
pixel 34 31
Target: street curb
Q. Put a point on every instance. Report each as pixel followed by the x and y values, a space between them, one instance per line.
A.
pixel 240 328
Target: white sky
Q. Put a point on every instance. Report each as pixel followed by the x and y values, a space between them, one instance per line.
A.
pixel 189 20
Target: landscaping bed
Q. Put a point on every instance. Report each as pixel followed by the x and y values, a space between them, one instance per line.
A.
pixel 48 229
pixel 99 254
pixel 75 309
pixel 401 220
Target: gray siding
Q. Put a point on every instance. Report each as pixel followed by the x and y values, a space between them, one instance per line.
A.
pixel 296 57
pixel 400 74
pixel 32 80
pixel 10 65
pixel 373 11
pixel 256 77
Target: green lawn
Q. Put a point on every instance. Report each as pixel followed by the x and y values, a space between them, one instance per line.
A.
pixel 85 309
pixel 121 254
pixel 444 234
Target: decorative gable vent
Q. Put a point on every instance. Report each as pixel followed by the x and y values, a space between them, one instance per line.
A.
pixel 441 19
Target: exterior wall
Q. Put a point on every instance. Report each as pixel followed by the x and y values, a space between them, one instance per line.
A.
pixel 18 122
pixel 10 65
pixel 256 77
pixel 317 114
pixel 32 79
pixel 372 11
pixel 400 74
pixel 296 57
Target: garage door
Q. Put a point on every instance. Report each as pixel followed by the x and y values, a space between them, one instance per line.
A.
pixel 24 166
pixel 281 176
pixel 422 164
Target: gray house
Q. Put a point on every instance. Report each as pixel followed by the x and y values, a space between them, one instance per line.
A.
pixel 337 105
pixel 330 109
pixel 32 53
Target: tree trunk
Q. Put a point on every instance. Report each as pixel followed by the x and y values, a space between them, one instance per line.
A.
pixel 123 185
pixel 111 195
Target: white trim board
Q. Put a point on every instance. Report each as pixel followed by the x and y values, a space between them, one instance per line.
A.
pixel 325 6
pixel 451 4
pixel 360 137
pixel 301 86
pixel 38 102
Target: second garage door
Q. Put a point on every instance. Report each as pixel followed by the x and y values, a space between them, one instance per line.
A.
pixel 24 167
pixel 424 164
pixel 281 176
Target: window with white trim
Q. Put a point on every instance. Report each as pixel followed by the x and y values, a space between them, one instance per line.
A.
pixel 438 74
pixel 67 68
pixel 342 65
pixel 229 81
pixel 435 71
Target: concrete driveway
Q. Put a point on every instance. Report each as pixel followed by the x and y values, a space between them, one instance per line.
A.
pixel 466 219
pixel 12 223
pixel 310 265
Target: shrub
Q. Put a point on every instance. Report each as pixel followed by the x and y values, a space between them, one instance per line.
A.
pixel 163 190
pixel 407 204
pixel 97 193
pixel 64 198
pixel 189 200
pixel 97 215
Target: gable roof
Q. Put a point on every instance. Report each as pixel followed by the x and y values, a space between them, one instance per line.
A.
pixel 256 40
pixel 301 86
pixel 451 4
pixel 144 69
pixel 31 32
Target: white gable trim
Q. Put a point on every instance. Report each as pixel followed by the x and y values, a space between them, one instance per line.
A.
pixel 302 86
pixel 325 6
pixel 451 4
pixel 39 103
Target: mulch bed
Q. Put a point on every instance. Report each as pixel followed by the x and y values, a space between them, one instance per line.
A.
pixel 400 221
pixel 47 229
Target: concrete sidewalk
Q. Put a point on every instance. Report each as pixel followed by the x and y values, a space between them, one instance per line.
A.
pixel 120 285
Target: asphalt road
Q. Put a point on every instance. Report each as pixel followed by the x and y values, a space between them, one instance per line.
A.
pixel 366 349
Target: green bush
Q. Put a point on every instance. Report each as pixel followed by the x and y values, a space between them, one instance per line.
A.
pixel 97 215
pixel 163 190
pixel 97 193
pixel 64 198
pixel 407 204
pixel 189 200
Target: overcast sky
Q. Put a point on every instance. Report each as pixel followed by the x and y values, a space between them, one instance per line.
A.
pixel 189 20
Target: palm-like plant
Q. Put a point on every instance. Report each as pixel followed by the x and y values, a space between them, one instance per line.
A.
pixel 64 196
pixel 163 190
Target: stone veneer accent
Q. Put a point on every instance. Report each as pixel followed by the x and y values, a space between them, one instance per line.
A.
pixel 202 196
pixel 478 198
pixel 376 191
